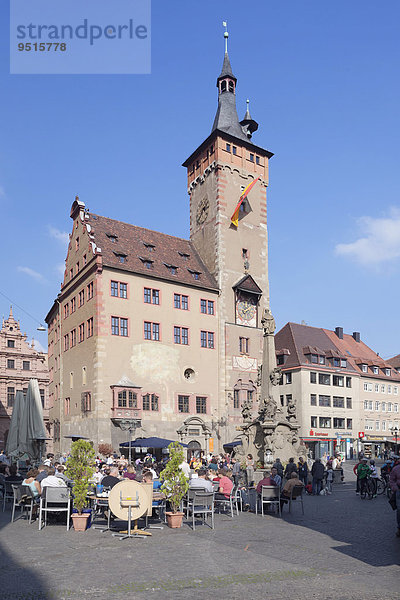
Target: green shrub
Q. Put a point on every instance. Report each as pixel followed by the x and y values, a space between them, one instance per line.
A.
pixel 175 483
pixel 80 468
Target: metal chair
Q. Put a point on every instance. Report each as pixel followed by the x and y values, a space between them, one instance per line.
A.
pixel 202 503
pixel 54 500
pixel 270 494
pixel 22 498
pixel 230 501
pixel 8 493
pixel 297 494
pixel 188 499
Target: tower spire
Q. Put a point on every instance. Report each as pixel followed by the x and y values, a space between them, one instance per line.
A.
pixel 226 35
pixel 248 124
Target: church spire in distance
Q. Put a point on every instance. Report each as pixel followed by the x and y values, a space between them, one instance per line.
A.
pixel 226 118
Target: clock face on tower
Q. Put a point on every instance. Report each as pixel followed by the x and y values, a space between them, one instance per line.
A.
pixel 202 211
pixel 246 312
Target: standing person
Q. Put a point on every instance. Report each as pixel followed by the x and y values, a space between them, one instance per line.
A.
pixel 317 472
pixel 394 482
pixel 290 468
pixel 279 467
pixel 184 466
pixel 355 468
pixel 302 468
pixel 235 470
pixel 374 476
pixel 363 470
pixel 250 469
pixel 329 479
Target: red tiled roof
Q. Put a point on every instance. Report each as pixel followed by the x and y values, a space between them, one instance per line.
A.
pixel 139 245
pixel 395 361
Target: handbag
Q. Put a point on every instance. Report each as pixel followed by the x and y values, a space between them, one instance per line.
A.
pixel 392 501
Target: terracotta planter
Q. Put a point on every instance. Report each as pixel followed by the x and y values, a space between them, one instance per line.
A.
pixel 80 521
pixel 174 520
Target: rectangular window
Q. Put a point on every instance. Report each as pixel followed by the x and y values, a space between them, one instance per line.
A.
pixel 236 401
pixel 377 425
pixel 365 387
pixel 324 379
pixel 324 400
pixel 89 327
pixel 151 296
pixel 234 150
pixel 155 296
pixel 89 290
pixel 349 423
pixel 201 405
pixel 114 288
pixel 389 407
pixel 343 363
pixel 383 388
pixel 26 365
pixel 123 290
pixel 73 338
pixel 66 310
pixel 364 368
pixel 177 300
pixel 114 325
pixel 77 244
pixel 251 157
pixel 73 305
pixel 336 362
pixel 203 339
pixel 338 402
pixel 349 403
pixel 338 423
pixel 375 370
pixel 177 335
pixel 147 295
pixel 67 406
pixel 228 147
pixel 396 408
pixel 66 342
pixel 210 307
pixel 156 331
pixel 383 425
pixel 257 160
pixel 338 380
pixel 288 398
pixel 313 400
pixel 395 389
pixel 203 306
pixel 183 404
pixel 181 301
pixel 243 345
pixel 154 402
pixel 313 377
pixel 348 382
pixel 250 396
pixel 151 331
pixel 123 327
pixel 81 332
pixel 181 335
pixel 86 402
pixel 369 425
pixel 10 397
pixel 321 360
pixel 10 344
pixel 210 339
pixel 325 422
pixel 376 387
pixel 146 402
pixel 81 297
pixel 314 422
pixel 389 389
pixel 185 336
pixel 288 378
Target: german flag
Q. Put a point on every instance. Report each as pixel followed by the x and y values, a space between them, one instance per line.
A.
pixel 235 216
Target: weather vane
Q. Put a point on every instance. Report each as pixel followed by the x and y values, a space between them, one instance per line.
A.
pixel 226 35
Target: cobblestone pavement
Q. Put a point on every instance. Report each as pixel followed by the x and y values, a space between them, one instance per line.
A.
pixel 343 548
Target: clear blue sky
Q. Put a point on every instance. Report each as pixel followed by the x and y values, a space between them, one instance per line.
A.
pixel 323 79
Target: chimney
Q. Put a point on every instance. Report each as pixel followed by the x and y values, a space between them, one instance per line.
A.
pixel 339 332
pixel 356 336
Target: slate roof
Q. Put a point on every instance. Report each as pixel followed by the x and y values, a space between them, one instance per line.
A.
pixel 247 284
pixel 226 70
pixel 139 245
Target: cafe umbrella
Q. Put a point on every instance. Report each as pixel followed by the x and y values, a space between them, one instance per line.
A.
pixel 32 434
pixel 12 445
pixel 151 442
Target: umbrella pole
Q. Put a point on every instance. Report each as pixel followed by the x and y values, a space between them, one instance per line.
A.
pixel 130 447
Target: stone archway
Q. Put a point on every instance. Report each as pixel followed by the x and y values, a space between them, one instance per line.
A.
pixel 194 430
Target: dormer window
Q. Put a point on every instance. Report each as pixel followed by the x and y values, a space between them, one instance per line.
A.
pixel 149 247
pixel 387 372
pixel 195 274
pixel 113 238
pixel 121 256
pixel 147 262
pixel 375 370
pixel 184 255
pixel 321 360
pixel 364 368
pixel 171 268
pixel 314 358
pixel 343 363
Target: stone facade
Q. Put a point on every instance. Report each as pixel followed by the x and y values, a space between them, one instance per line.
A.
pixel 19 362
pixel 193 387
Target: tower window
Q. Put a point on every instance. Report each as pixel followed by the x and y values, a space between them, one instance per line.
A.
pixel 244 253
pixel 223 86
pixel 257 160
pixel 211 149
pixel 231 86
pixel 251 157
pixel 228 147
pixel 234 150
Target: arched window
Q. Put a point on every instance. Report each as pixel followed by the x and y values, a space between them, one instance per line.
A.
pixel 223 86
pixel 231 86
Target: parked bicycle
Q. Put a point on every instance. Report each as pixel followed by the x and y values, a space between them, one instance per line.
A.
pixel 367 488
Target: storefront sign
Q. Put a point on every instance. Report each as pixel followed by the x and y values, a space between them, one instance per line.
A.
pixel 211 444
pixel 318 434
pixel 361 434
pixel 343 434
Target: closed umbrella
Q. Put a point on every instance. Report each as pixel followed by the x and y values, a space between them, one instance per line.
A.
pixel 12 446
pixel 32 430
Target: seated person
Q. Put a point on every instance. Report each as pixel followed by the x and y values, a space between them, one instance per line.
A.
pixel 267 480
pixel 98 475
pixel 201 482
pixel 51 480
pixel 34 485
pixel 130 473
pixel 42 473
pixel 14 476
pixel 111 479
pixel 225 485
pixel 276 477
pixel 60 472
pixel 288 487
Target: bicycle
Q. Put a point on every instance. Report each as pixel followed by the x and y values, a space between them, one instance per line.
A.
pixel 385 477
pixel 367 488
pixel 381 485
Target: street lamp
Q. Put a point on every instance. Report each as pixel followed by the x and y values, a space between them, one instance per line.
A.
pixel 395 431
pixel 129 425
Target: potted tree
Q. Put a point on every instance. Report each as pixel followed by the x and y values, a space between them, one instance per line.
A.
pixel 80 468
pixel 175 484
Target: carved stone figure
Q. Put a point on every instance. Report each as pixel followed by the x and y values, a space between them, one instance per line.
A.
pixel 246 412
pixel 259 376
pixel 271 407
pixel 275 376
pixel 291 410
pixel 268 322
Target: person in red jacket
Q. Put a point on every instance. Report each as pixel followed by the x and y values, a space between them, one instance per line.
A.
pixel 394 482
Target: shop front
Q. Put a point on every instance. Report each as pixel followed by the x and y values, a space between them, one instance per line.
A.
pixel 345 445
pixel 375 446
pixel 319 444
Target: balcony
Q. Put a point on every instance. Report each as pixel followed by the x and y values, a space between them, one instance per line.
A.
pixel 124 412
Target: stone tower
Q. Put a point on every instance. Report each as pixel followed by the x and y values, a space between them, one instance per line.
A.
pixel 218 172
